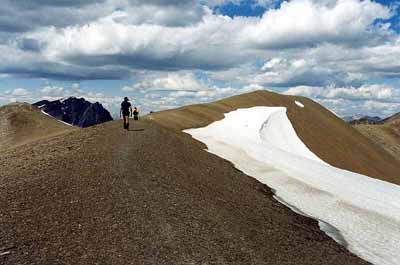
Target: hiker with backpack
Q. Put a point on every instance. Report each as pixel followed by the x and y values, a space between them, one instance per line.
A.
pixel 126 111
pixel 135 113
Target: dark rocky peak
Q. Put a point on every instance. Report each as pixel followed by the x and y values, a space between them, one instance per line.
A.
pixel 75 111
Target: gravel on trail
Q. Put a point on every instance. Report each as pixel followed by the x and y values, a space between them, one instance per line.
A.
pixel 103 195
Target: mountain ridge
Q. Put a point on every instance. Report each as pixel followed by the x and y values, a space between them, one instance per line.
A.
pixel 75 111
pixel 328 136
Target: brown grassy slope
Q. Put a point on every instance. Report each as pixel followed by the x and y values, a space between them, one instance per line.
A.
pixel 326 135
pixel 21 123
pixel 393 119
pixel 102 195
pixel 386 135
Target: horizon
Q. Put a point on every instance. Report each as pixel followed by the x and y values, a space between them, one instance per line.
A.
pixel 116 115
pixel 342 54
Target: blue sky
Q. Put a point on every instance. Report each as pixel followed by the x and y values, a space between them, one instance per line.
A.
pixel 163 54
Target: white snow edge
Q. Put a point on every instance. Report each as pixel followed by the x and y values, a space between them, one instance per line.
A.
pixel 45 113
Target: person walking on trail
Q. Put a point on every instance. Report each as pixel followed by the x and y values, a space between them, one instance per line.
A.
pixel 135 113
pixel 126 111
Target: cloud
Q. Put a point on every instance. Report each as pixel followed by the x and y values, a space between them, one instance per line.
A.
pixel 28 64
pixel 118 38
pixel 54 91
pixel 109 41
pixel 65 13
pixel 20 92
pixel 374 99
pixel 37 14
pixel 17 94
pixel 383 109
pixel 294 72
pixel 377 92
pixel 121 42
pixel 302 23
pixel 171 81
pixel 365 92
pixel 263 3
pixel 173 99
pixel 29 44
pixel 163 91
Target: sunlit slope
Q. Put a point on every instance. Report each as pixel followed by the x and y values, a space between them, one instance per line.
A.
pixel 21 123
pixel 326 135
pixel 386 135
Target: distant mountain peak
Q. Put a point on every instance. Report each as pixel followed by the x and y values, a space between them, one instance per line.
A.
pixel 75 111
pixel 366 119
pixel 363 119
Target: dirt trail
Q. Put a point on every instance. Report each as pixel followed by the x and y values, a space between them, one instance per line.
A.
pixel 106 196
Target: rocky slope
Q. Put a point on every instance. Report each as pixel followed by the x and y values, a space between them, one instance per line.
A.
pixel 75 111
pixel 22 123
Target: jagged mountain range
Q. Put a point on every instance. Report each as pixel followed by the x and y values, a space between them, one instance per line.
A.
pixel 351 118
pixel 75 111
pixel 367 120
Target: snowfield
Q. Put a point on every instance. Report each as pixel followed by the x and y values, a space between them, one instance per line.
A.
pixel 357 211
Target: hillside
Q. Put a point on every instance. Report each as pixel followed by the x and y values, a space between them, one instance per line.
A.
pixel 328 136
pixel 22 123
pixel 147 196
pixel 393 119
pixel 386 135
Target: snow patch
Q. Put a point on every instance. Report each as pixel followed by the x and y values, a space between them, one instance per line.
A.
pixel 359 212
pixel 298 103
pixel 62 100
pixel 45 113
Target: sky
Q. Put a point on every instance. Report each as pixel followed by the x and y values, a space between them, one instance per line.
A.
pixel 163 54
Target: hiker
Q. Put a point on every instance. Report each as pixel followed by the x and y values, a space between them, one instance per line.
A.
pixel 135 114
pixel 126 111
